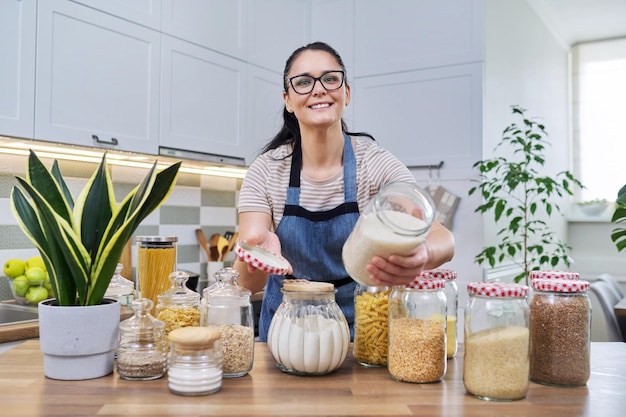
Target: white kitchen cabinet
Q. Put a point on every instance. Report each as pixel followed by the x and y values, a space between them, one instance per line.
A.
pixel 17 72
pixel 144 12
pixel 97 79
pixel 265 109
pixel 202 100
pixel 215 24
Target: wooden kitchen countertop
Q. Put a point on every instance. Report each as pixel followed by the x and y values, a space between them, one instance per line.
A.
pixel 350 391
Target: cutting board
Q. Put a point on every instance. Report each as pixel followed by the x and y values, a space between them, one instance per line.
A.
pixel 127 260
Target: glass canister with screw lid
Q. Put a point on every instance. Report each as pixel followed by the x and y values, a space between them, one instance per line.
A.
pixel 496 361
pixel 417 331
pixel 452 302
pixel 560 332
pixel 371 325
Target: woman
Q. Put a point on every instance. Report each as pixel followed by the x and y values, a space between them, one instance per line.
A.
pixel 301 198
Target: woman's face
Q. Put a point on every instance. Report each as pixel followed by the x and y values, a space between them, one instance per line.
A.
pixel 320 108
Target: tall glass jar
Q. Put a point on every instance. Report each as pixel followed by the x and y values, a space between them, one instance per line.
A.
pixel 496 362
pixel 178 306
pixel 452 306
pixel 371 325
pixel 156 260
pixel 308 334
pixel 560 330
pixel 195 361
pixel 141 350
pixel 227 307
pixel 417 331
pixel 396 220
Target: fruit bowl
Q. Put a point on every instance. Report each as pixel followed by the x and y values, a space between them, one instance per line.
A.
pixel 28 291
pixel 593 208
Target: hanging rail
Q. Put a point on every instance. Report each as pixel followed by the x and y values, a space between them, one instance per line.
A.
pixel 436 166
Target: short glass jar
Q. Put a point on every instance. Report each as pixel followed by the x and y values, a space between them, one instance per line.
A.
pixel 178 306
pixel 308 334
pixel 195 361
pixel 417 331
pixel 496 362
pixel 560 331
pixel 452 306
pixel 120 288
pixel 396 220
pixel 142 348
pixel 227 307
pixel 371 325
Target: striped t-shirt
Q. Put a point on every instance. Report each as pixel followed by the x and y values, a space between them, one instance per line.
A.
pixel 264 188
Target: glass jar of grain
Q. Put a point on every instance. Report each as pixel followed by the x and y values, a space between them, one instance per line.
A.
pixel 308 334
pixel 195 361
pixel 226 306
pixel 179 306
pixel 396 220
pixel 142 349
pixel 417 331
pixel 560 330
pixel 452 300
pixel 371 325
pixel 496 362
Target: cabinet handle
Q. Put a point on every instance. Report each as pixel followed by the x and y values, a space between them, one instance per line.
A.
pixel 113 141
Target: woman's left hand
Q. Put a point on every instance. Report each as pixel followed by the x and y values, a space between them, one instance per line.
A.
pixel 397 269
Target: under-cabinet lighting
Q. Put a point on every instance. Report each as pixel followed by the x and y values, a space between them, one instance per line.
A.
pixel 9 146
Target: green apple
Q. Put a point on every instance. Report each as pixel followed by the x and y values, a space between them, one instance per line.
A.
pixel 35 273
pixel 14 268
pixel 35 261
pixel 20 286
pixel 36 294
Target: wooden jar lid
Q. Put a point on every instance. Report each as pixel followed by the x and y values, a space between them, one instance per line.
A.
pixel 303 285
pixel 194 337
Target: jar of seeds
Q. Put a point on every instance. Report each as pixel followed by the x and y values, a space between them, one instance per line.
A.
pixel 496 362
pixel 452 300
pixel 141 351
pixel 417 331
pixel 227 307
pixel 371 325
pixel 560 329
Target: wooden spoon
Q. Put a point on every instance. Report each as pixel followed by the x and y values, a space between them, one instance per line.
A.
pixel 213 241
pixel 222 248
pixel 202 241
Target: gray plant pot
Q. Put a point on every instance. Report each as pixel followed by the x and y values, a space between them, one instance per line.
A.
pixel 78 342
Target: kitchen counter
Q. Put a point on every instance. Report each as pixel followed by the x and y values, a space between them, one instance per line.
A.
pixel 266 391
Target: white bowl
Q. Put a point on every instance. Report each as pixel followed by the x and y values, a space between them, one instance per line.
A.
pixel 593 209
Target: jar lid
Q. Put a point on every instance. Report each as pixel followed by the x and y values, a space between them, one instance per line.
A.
pixel 546 274
pixel 194 337
pixel 447 274
pixel 262 259
pixel 178 294
pixel 303 285
pixel 422 283
pixel 497 289
pixel 560 285
pixel 156 239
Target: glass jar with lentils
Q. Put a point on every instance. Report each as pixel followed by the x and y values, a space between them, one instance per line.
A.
pixel 560 329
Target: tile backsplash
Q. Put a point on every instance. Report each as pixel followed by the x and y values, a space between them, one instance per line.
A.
pixel 197 201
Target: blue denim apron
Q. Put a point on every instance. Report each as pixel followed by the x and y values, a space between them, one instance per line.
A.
pixel 312 241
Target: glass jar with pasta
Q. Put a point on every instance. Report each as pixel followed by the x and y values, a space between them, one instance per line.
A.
pixel 179 306
pixel 370 325
pixel 156 260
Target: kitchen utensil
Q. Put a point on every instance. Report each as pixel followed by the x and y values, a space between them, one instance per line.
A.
pixel 215 254
pixel 222 248
pixel 232 241
pixel 262 259
pixel 202 241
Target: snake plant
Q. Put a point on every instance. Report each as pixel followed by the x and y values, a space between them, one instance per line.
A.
pixel 82 240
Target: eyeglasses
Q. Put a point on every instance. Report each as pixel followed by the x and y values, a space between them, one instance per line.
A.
pixel 304 84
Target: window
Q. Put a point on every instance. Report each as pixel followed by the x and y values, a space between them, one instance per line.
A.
pixel 599 115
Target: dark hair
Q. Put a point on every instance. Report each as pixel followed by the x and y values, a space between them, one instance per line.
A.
pixel 290 131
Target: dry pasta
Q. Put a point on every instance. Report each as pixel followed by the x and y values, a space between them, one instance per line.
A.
pixel 154 265
pixel 370 337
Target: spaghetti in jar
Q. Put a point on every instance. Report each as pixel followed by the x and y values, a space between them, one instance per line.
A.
pixel 156 260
